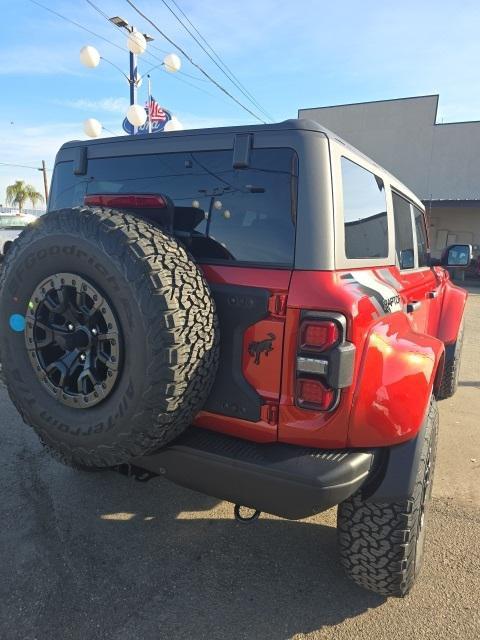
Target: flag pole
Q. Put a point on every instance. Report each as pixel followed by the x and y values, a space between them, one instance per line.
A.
pixel 149 105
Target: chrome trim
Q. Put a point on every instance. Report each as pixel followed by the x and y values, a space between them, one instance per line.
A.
pixel 312 365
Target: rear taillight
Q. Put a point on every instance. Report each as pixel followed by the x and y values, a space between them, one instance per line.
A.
pixel 318 335
pixel 126 201
pixel 324 360
pixel 313 394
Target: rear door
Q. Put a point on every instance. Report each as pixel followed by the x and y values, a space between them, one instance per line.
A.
pixel 246 249
pixel 233 206
pixel 417 284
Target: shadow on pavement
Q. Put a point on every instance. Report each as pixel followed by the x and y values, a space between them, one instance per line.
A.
pixel 107 557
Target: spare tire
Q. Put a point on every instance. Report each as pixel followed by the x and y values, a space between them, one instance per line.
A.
pixel 109 339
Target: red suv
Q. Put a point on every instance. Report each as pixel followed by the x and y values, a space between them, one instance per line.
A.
pixel 253 313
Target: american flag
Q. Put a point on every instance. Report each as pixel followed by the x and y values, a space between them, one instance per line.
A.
pixel 157 114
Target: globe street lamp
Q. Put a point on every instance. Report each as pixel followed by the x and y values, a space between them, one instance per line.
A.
pixel 92 127
pixel 136 45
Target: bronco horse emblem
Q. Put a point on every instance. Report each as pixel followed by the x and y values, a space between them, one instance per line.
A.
pixel 263 346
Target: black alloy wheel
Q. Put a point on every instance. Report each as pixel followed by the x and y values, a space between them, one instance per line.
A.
pixel 73 339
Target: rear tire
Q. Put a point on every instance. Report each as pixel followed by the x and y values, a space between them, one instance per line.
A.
pixel 453 354
pixel 120 347
pixel 381 545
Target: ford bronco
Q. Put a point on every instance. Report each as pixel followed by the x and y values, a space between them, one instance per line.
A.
pixel 251 312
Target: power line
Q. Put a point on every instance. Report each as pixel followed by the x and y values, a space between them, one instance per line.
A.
pixel 217 84
pixel 23 166
pixel 97 35
pixel 150 46
pixel 215 58
pixel 77 24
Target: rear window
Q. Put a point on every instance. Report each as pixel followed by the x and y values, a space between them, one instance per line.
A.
pixel 225 214
pixel 364 212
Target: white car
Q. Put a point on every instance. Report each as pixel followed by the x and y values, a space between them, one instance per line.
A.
pixel 10 228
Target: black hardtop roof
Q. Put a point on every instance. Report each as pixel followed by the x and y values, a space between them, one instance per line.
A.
pixel 299 124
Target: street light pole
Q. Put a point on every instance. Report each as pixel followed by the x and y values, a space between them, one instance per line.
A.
pixel 133 78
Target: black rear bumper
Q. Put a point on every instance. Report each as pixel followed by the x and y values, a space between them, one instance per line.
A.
pixel 285 480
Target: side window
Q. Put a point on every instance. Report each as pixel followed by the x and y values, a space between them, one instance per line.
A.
pixel 403 232
pixel 422 238
pixel 364 213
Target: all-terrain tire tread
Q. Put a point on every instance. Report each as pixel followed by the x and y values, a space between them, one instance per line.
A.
pixel 449 382
pixel 377 541
pixel 181 327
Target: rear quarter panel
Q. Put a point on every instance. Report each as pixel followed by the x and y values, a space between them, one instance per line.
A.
pixel 394 370
pixel 394 384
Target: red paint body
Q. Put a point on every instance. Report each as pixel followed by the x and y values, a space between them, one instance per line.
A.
pixel 398 357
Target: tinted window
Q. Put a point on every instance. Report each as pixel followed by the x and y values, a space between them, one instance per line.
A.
pixel 422 241
pixel 365 213
pixel 223 214
pixel 403 232
pixel 67 190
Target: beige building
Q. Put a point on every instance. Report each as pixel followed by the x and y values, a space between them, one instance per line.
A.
pixel 439 162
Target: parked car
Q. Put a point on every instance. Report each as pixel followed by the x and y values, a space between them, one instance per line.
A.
pixel 10 228
pixel 251 312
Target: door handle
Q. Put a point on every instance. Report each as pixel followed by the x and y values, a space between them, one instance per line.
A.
pixel 432 294
pixel 413 306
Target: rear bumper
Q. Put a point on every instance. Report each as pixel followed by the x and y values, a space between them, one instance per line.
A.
pixel 286 480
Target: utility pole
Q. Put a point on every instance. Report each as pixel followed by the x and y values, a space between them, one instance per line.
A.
pixel 43 169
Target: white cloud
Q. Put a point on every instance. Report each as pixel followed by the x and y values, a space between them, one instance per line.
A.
pixel 110 105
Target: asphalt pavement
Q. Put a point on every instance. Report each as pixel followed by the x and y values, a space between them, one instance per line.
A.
pixel 97 555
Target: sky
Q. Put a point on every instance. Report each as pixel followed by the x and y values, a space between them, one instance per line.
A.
pixel 289 55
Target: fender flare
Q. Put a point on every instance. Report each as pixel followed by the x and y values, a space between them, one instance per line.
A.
pixel 451 315
pixel 397 471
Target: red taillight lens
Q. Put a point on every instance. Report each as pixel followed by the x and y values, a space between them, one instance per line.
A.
pixel 318 335
pixel 124 201
pixel 312 394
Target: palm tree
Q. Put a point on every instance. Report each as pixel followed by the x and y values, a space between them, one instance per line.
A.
pixel 19 192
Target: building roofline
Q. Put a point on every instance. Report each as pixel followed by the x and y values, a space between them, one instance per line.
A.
pixel 357 104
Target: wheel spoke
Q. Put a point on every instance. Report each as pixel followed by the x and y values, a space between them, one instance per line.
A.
pixel 109 335
pixel 83 378
pixel 53 335
pixel 65 365
pixel 107 360
pixel 55 306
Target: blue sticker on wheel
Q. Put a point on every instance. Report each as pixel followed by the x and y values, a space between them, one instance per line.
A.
pixel 17 322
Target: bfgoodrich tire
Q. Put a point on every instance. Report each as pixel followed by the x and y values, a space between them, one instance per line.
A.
pixel 381 544
pixel 453 353
pixel 120 345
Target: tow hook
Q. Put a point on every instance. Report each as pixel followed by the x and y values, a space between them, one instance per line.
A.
pixel 245 519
